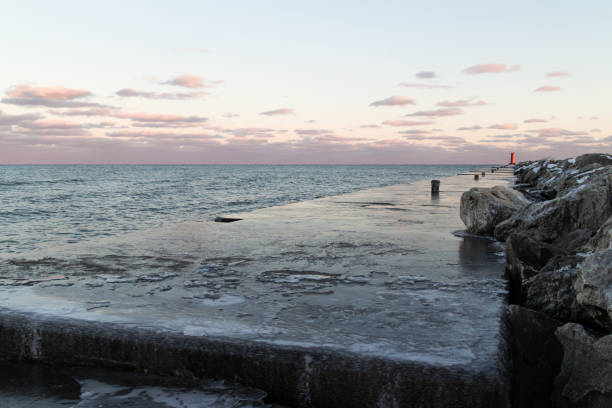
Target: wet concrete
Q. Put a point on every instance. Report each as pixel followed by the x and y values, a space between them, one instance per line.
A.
pixel 42 386
pixel 362 299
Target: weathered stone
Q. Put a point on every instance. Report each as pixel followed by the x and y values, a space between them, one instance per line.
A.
pixel 576 177
pixel 574 240
pixel 586 372
pixel 552 293
pixel 525 256
pixel 603 237
pixel 529 172
pixel 536 356
pixel 483 208
pixel 585 207
pixel 558 262
pixel 546 179
pixel 590 158
pixel 594 288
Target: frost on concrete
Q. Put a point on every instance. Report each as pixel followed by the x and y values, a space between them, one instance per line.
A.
pixel 334 275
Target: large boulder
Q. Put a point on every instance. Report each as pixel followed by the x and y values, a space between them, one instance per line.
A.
pixel 525 256
pixel 585 379
pixel 483 208
pixel 594 289
pixel 553 293
pixel 585 207
pixel 593 158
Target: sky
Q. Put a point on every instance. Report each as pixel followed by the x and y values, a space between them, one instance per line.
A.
pixel 297 82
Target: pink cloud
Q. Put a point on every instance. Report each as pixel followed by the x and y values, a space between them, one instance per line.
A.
pixel 280 111
pixel 490 69
pixel 502 138
pixel 83 112
pixel 461 103
pixel 250 131
pixel 557 74
pixel 556 132
pixel 53 92
pixel 187 81
pixel 548 88
pixel 19 120
pixel 157 117
pixel 414 132
pixel 54 97
pixel 424 86
pixel 394 101
pixel 406 123
pixel 51 124
pixel 535 120
pixel 504 126
pixel 147 134
pixel 157 120
pixel 331 140
pixel 128 92
pixel 438 112
pixel 441 141
pixel 448 139
pixel 56 132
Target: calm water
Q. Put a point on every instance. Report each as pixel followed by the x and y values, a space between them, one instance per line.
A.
pixel 54 205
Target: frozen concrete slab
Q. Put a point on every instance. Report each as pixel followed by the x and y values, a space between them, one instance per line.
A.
pixel 363 299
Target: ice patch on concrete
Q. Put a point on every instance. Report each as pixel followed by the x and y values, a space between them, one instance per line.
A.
pixel 217 396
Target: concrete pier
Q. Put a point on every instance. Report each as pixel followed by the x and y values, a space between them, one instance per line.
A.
pixel 365 299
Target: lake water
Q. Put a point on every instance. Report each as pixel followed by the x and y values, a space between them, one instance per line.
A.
pixel 49 205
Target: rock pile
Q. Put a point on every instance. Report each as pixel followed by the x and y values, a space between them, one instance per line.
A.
pixel 559 264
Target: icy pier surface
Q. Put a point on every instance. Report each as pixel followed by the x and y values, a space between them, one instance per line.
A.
pixel 365 299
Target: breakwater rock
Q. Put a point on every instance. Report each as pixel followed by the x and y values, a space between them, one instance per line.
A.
pixel 482 209
pixel 559 265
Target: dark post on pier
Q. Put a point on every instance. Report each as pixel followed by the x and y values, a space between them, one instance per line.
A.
pixel 435 187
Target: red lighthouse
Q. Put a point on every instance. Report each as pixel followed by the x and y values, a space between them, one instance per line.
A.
pixel 512 158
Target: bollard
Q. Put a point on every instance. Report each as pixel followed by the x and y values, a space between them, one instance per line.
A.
pixel 476 177
pixel 435 190
pixel 435 186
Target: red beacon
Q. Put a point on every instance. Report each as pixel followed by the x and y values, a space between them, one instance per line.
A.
pixel 512 158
